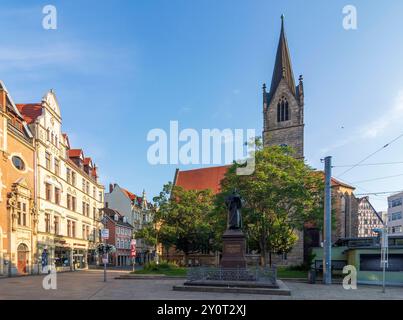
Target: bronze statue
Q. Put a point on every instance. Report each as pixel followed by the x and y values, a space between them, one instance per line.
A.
pixel 234 205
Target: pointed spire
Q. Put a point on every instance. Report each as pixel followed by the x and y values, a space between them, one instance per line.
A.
pixel 282 66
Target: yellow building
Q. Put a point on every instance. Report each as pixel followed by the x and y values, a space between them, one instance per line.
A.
pixel 18 215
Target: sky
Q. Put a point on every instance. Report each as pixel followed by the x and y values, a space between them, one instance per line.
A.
pixel 123 68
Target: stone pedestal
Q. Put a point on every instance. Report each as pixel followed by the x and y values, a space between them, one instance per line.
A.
pixel 234 249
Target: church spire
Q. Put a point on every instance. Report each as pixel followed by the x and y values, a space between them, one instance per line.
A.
pixel 282 66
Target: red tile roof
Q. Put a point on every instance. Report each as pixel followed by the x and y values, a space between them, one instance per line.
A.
pixel 87 161
pixel 201 179
pixel 30 111
pixel 210 178
pixel 74 153
pixel 132 196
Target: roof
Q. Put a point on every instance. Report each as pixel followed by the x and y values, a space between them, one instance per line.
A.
pixel 201 179
pixel 30 111
pixel 75 153
pixel 282 65
pixel 111 214
pixel 336 182
pixel 131 196
pixel 87 161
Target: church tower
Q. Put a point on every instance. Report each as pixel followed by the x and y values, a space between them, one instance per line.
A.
pixel 283 105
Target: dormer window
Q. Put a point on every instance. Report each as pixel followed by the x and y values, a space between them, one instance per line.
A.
pixel 283 113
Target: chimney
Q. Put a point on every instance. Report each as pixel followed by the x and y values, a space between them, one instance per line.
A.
pixel 110 188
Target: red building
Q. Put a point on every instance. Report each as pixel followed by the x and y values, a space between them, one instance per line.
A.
pixel 120 235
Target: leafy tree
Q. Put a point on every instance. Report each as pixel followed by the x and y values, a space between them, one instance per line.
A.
pixel 280 196
pixel 182 219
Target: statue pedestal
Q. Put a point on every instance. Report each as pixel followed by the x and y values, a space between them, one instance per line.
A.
pixel 234 248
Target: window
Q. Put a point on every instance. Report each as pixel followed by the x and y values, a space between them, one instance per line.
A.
pixel 73 203
pixel 69 202
pixel 87 206
pixel 94 191
pixel 94 213
pixel 87 189
pixel 73 178
pixel 48 190
pixel 18 163
pixel 283 113
pixel 73 229
pixel 19 213
pixel 57 196
pixel 56 224
pixel 68 175
pixel 395 203
pixel 47 157
pixel 83 231
pixel 57 167
pixel 100 196
pixel 396 216
pixel 87 232
pixel 47 134
pixel 69 228
pixel 47 222
pixel 83 186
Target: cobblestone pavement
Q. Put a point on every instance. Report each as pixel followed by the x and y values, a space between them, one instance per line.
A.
pixel 89 284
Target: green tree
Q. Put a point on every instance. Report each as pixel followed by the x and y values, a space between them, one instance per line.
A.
pixel 182 219
pixel 280 196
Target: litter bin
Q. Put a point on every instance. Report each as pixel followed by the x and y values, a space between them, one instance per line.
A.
pixel 311 276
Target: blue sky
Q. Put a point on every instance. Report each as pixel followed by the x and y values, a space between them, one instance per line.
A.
pixel 122 68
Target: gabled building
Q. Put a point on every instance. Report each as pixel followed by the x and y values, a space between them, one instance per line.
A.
pixel 18 211
pixel 368 218
pixel 120 236
pixel 138 212
pixel 69 195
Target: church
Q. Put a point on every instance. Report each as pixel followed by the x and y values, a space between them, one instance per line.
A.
pixel 283 124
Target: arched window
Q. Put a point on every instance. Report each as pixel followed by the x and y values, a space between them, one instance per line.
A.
pixel 283 113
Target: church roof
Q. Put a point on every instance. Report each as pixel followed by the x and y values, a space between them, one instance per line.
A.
pixel 201 179
pixel 282 66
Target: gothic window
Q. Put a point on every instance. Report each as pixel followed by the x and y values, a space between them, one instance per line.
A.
pixel 283 113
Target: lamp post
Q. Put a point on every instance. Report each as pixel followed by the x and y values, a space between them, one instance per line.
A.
pixel 384 242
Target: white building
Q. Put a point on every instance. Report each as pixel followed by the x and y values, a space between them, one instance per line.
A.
pixel 138 212
pixel 69 196
pixel 395 209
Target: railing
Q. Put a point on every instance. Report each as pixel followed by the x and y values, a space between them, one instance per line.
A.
pixel 255 274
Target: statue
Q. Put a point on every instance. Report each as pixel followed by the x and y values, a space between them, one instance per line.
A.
pixel 234 205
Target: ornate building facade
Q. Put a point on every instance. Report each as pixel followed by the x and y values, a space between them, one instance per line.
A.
pixel 69 196
pixel 18 215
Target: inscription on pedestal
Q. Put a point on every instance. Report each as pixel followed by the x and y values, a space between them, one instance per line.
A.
pixel 232 248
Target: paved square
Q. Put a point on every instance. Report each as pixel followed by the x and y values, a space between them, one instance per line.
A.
pixel 87 285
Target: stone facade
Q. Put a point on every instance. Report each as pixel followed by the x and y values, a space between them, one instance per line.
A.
pixel 283 105
pixel 18 213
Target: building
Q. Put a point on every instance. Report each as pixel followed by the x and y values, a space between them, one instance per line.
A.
pixel 395 218
pixel 138 212
pixel 120 236
pixel 69 195
pixel 368 218
pixel 283 105
pixel 18 212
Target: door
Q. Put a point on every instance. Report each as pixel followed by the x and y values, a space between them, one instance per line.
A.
pixel 22 256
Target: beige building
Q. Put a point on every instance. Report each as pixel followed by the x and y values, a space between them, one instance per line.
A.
pixel 69 196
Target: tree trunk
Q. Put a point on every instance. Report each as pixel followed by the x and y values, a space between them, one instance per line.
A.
pixel 270 258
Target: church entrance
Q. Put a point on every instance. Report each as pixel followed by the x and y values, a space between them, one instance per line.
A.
pixel 22 254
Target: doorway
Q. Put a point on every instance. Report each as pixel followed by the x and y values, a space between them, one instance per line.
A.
pixel 22 254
